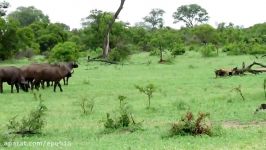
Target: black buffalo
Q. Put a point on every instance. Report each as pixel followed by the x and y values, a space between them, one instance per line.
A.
pixel 13 76
pixel 54 73
pixel 70 66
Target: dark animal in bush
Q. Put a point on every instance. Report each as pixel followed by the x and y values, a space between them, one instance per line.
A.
pixel 13 76
pixel 53 73
pixel 262 107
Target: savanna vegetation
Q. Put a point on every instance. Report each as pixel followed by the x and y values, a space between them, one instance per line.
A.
pixel 142 86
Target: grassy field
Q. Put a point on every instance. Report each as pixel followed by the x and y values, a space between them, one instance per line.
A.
pixel 186 84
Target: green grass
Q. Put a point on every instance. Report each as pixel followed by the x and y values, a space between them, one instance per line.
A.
pixel 188 84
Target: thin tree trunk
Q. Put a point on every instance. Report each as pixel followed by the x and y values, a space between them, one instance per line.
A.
pixel 106 46
pixel 161 55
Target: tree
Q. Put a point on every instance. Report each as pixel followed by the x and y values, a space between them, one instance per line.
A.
pixel 8 38
pixel 67 51
pixel 3 5
pixel 191 15
pixel 205 34
pixel 140 37
pixel 106 46
pixel 48 35
pixel 94 26
pixel 26 38
pixel 230 33
pixel 28 15
pixel 155 18
pixel 164 39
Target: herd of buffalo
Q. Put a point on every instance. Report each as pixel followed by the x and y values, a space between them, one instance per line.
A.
pixel 34 75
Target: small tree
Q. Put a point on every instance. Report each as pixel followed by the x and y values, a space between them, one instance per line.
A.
pixel 163 39
pixel 148 90
pixel 191 15
pixel 155 18
pixel 67 51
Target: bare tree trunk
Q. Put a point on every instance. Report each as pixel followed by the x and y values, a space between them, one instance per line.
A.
pixel 161 54
pixel 106 47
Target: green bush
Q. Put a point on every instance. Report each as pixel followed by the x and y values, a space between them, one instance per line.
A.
pixel 124 116
pixel 236 48
pixel 67 51
pixel 124 120
pixel 119 53
pixel 155 52
pixel 242 48
pixel 178 49
pixel 32 124
pixel 209 50
pixel 3 139
pixel 257 49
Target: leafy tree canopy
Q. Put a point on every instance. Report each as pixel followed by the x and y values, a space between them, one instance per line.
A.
pixel 191 15
pixel 3 6
pixel 28 15
pixel 155 18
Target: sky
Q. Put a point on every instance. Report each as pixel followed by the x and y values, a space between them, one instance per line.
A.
pixel 240 12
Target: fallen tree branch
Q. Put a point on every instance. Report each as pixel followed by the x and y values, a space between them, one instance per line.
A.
pixel 102 60
pixel 236 71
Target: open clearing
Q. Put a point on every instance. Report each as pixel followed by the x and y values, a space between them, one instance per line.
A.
pixel 186 84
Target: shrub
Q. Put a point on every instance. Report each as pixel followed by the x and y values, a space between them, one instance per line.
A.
pixel 155 52
pixel 257 49
pixel 178 49
pixel 209 50
pixel 120 52
pixel 148 90
pixel 3 139
pixel 242 48
pixel 67 51
pixel 236 48
pixel 188 125
pixel 124 120
pixel 32 124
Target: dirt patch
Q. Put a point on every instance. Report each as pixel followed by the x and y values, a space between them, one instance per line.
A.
pixel 236 124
